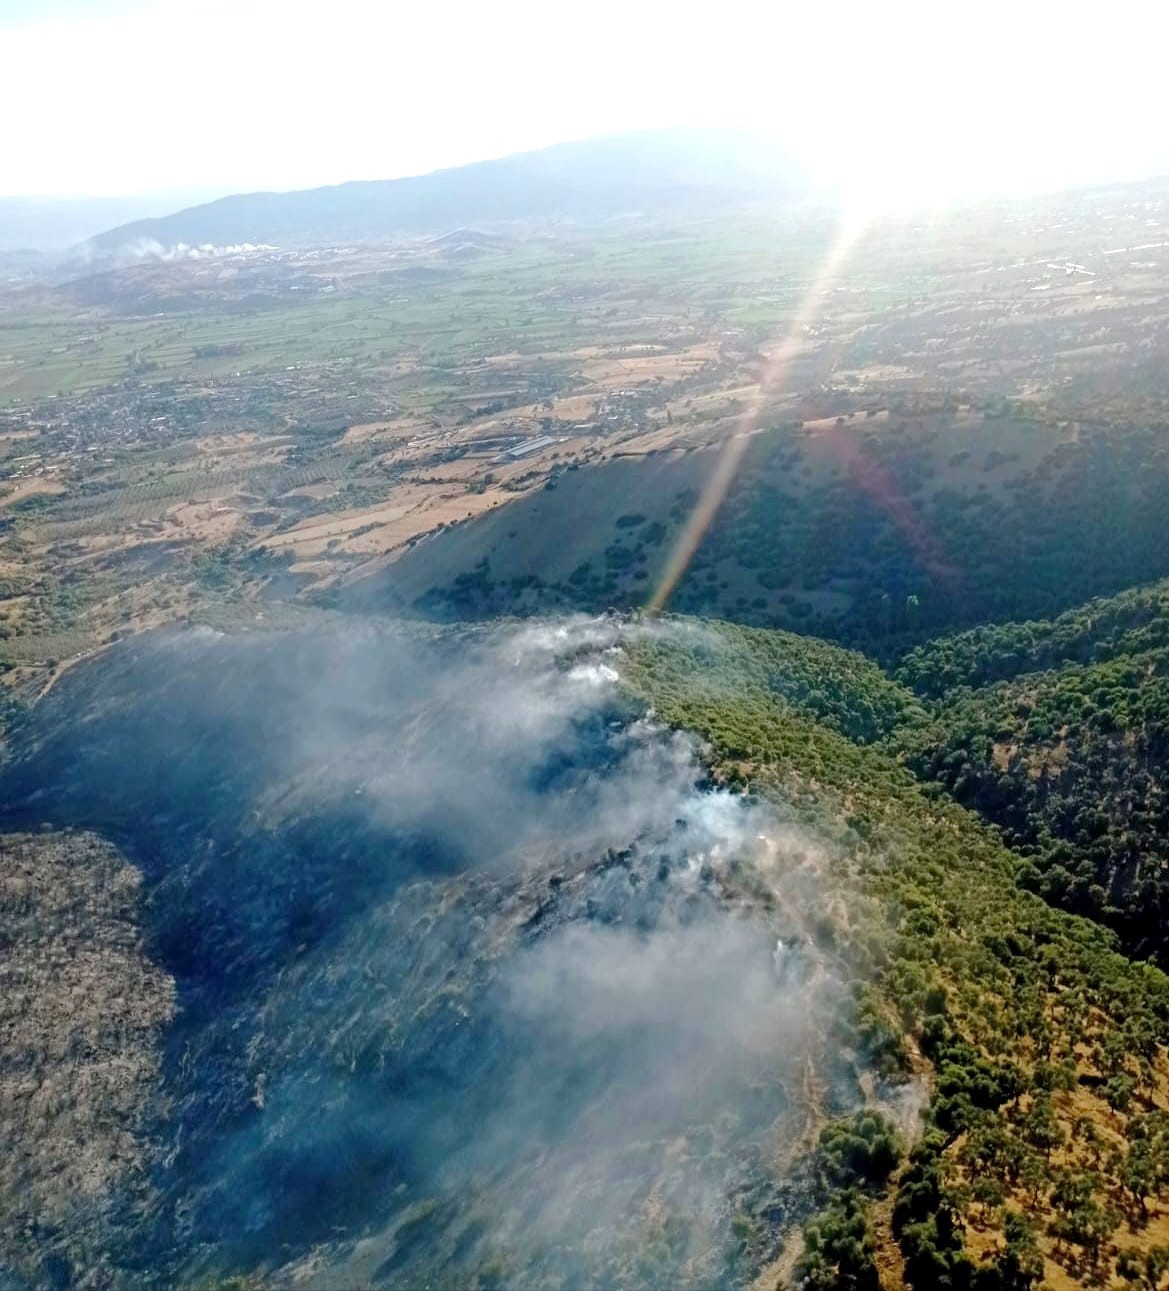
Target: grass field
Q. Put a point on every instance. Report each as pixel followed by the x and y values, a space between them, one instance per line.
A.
pixel 553 295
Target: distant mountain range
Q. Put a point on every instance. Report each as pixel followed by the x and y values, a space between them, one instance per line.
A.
pixel 651 171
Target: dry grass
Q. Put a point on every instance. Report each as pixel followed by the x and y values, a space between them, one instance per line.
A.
pixel 1065 1266
pixel 81 1011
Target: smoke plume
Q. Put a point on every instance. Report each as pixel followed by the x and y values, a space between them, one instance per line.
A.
pixel 479 977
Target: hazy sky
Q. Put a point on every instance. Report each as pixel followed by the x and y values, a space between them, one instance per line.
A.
pixel 120 96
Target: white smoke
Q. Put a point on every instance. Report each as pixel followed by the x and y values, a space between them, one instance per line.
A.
pixel 499 956
pixel 150 249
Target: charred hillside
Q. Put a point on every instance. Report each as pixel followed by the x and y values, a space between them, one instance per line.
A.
pixel 485 973
pixel 477 975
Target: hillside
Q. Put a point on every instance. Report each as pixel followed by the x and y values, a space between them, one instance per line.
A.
pixel 1108 628
pixel 404 883
pixel 660 171
pixel 45 224
pixel 1046 1137
pixel 83 1013
pixel 1058 732
pixel 418 870
pixel 879 531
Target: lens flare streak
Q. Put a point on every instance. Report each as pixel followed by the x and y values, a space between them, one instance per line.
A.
pixel 770 383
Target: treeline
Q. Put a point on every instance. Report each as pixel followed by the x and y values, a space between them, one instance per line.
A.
pixel 1129 623
pixel 841 689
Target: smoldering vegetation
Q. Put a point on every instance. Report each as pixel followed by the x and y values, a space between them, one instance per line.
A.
pixel 479 981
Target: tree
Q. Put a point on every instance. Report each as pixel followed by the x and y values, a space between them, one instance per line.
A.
pixel 839 1250
pixel 1041 1125
pixel 1080 1218
pixel 1138 1176
pixel 863 1151
pixel 1019 1265
pixel 1118 1091
pixel 1145 1270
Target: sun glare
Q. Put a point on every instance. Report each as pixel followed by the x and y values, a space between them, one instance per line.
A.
pixel 849 231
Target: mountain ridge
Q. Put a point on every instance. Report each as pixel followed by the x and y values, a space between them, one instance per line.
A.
pixel 591 179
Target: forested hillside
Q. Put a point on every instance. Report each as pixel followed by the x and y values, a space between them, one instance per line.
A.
pixel 1058 732
pixel 1045 1148
pixel 1103 629
pixel 880 532
pixel 984 1103
pixel 582 722
pixel 835 687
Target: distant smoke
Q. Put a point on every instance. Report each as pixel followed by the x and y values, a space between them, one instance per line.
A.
pixel 149 249
pixel 476 970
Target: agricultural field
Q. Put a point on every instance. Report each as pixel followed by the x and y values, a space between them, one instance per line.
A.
pixel 376 422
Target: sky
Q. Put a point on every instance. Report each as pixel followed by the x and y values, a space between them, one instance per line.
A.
pixel 902 100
